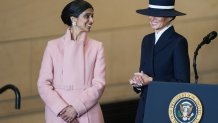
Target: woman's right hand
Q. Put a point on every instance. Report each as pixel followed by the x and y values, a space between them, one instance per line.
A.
pixel 68 114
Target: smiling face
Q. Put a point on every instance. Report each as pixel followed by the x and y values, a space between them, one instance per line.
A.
pixel 158 23
pixel 85 20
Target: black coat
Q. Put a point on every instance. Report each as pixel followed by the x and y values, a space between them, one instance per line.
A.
pixel 167 60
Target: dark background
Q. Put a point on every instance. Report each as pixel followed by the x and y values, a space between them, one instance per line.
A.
pixel 120 112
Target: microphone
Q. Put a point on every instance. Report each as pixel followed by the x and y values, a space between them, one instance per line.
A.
pixel 207 39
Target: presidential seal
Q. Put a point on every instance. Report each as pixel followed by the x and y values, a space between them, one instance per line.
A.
pixel 185 107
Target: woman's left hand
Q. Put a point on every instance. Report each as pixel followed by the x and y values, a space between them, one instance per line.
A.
pixel 140 79
pixel 74 121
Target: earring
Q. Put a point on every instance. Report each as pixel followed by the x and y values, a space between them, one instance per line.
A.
pixel 74 23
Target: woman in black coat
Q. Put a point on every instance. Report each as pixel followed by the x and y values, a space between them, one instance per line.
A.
pixel 164 53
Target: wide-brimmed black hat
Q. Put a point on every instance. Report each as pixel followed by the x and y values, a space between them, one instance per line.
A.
pixel 160 8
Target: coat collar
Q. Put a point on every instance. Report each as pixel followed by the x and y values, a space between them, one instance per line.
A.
pixel 65 40
pixel 164 40
pixel 82 39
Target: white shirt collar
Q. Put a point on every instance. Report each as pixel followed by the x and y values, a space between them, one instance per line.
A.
pixel 159 33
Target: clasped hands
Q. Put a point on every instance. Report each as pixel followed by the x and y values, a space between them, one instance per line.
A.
pixel 68 114
pixel 140 79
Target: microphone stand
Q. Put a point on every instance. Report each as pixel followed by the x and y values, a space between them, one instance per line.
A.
pixel 195 57
pixel 194 62
pixel 206 40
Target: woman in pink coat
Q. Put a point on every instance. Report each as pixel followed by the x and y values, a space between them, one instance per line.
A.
pixel 72 75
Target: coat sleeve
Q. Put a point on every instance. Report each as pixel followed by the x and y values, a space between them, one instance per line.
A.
pixel 181 62
pixel 139 89
pixel 90 97
pixel 45 87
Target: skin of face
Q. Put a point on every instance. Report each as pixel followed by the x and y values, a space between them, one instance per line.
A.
pixel 85 20
pixel 158 23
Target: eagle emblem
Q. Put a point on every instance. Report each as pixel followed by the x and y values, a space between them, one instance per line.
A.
pixel 185 107
pixel 185 111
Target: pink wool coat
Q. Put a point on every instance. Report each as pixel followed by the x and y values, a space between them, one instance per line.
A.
pixel 72 73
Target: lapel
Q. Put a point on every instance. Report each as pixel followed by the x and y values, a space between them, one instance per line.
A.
pixel 73 59
pixel 164 40
pixel 151 44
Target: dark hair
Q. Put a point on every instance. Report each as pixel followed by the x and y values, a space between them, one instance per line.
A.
pixel 173 18
pixel 74 8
